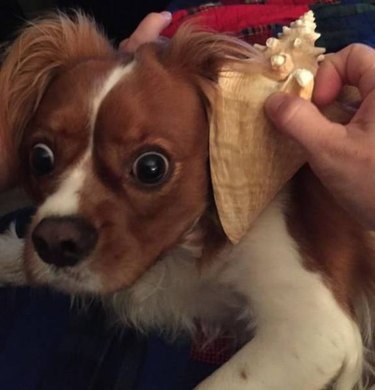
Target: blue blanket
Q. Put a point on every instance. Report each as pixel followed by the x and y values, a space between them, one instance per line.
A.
pixel 46 344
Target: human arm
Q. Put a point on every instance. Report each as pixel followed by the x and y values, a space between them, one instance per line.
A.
pixel 342 156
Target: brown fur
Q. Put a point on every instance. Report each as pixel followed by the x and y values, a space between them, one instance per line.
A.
pixel 330 240
pixel 59 124
pixel 43 49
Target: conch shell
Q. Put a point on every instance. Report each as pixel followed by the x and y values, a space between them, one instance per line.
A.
pixel 250 161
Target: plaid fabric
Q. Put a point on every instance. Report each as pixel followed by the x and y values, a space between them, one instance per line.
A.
pixel 253 23
pixel 339 22
pixel 345 23
pixel 215 352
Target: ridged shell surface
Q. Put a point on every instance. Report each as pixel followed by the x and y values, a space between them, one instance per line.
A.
pixel 250 161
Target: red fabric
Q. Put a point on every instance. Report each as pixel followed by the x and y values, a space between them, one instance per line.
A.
pixel 235 18
pixel 216 352
pixel 267 2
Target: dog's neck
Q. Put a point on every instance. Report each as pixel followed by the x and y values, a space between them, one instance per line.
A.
pixel 175 294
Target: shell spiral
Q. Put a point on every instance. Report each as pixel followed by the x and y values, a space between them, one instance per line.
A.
pixel 250 161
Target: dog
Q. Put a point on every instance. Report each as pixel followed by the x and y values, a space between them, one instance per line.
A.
pixel 114 149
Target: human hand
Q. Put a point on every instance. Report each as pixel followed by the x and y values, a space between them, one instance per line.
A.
pixel 147 31
pixel 343 157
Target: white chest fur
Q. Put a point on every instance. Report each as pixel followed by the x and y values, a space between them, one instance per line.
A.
pixel 303 340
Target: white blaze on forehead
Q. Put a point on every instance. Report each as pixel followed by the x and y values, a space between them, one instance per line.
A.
pixel 65 201
pixel 113 79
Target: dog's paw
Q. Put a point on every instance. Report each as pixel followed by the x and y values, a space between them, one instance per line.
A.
pixel 12 230
pixel 11 250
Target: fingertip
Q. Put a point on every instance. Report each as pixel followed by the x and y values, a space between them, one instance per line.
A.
pixel 166 15
pixel 147 31
pixel 157 20
pixel 328 83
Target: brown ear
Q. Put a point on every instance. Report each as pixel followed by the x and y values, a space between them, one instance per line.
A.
pixel 204 55
pixel 35 57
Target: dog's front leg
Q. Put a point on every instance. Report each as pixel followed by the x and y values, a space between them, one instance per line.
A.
pixel 304 340
pixel 284 357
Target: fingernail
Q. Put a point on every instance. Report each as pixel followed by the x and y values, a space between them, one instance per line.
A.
pixel 162 40
pixel 166 14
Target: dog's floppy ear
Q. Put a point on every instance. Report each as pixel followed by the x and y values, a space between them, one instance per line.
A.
pixel 42 49
pixel 204 55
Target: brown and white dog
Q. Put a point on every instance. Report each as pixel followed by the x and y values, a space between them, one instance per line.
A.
pixel 115 149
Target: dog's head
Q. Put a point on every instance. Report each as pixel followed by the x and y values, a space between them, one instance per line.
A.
pixel 114 147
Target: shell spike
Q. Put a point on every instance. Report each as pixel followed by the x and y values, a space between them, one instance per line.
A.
pixel 297 42
pixel 299 23
pixel 303 77
pixel 308 17
pixel 278 60
pixel 315 36
pixel 272 43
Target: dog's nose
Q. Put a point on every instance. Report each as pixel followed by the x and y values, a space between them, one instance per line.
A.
pixel 64 241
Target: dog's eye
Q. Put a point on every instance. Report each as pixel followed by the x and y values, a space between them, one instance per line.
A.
pixel 150 168
pixel 42 159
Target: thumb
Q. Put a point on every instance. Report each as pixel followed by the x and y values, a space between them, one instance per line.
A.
pixel 302 121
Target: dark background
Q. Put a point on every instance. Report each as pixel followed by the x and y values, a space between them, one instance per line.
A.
pixel 118 17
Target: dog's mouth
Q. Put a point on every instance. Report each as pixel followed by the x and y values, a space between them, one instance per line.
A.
pixel 58 253
pixel 69 254
pixel 78 279
pixel 66 253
